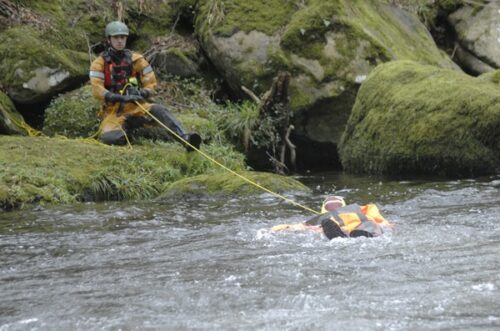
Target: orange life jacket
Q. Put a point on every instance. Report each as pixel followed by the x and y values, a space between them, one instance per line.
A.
pixel 355 217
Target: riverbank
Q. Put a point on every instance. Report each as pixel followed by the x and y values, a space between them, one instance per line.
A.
pixel 42 170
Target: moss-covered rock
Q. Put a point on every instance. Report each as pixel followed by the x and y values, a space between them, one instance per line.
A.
pixel 329 47
pixel 416 119
pixel 11 122
pixel 230 184
pixel 492 76
pixel 73 114
pixel 176 55
pixel 33 70
pixel 52 170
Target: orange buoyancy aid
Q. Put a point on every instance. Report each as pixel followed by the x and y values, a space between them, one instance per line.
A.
pixel 116 75
pixel 355 217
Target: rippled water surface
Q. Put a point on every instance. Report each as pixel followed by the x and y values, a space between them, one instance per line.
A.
pixel 213 264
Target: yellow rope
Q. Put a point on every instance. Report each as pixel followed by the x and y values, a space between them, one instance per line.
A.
pixel 22 124
pixel 224 167
pixel 34 133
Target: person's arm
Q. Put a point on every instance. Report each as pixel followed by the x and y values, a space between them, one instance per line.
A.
pixel 372 211
pixel 296 227
pixel 146 75
pixel 96 75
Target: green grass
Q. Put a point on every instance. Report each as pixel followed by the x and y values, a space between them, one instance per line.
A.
pixel 52 170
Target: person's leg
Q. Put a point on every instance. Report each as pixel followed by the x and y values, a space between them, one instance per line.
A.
pixel 165 117
pixel 112 131
pixel 360 233
pixel 332 229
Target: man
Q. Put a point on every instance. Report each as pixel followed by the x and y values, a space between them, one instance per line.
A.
pixel 123 80
pixel 338 220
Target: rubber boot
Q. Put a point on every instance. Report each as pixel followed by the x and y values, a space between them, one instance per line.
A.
pixel 331 229
pixel 360 233
pixel 164 116
pixel 193 139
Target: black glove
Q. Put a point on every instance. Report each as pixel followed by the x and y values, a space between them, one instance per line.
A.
pixel 114 97
pixel 145 93
pixel 135 91
pixel 132 98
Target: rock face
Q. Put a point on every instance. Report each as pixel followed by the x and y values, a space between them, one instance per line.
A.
pixel 33 70
pixel 10 120
pixel 478 37
pixel 329 47
pixel 175 55
pixel 416 119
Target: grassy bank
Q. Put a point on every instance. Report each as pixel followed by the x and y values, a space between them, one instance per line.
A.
pixel 55 170
pixel 65 171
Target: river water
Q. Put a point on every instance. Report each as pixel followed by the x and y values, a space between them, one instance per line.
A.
pixel 213 264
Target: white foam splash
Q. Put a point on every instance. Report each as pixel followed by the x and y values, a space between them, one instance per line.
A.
pixel 263 234
pixel 484 287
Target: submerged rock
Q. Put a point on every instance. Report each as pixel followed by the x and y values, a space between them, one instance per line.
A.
pixel 416 119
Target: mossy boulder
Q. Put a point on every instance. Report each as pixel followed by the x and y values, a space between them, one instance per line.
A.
pixel 228 184
pixel 478 36
pixel 53 170
pixel 176 55
pixel 33 70
pixel 418 119
pixel 73 114
pixel 492 76
pixel 329 47
pixel 11 122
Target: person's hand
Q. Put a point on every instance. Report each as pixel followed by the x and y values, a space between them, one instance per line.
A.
pixel 132 90
pixel 114 97
pixel 144 93
pixel 132 98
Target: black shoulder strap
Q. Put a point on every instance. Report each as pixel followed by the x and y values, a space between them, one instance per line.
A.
pixel 128 56
pixel 107 57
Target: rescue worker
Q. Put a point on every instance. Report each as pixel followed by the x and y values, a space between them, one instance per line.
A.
pixel 122 80
pixel 340 220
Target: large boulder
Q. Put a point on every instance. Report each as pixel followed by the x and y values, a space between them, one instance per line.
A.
pixel 492 76
pixel 418 119
pixel 73 114
pixel 11 122
pixel 175 55
pixel 33 70
pixel 478 36
pixel 328 47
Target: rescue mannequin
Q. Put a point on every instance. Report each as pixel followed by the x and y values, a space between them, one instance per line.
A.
pixel 340 220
